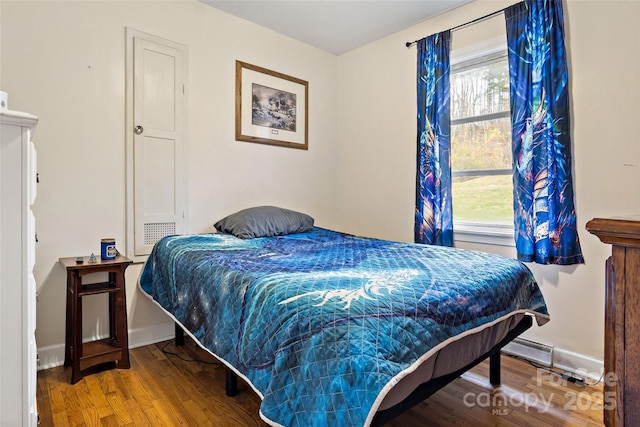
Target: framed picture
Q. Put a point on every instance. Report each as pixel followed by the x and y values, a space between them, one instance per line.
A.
pixel 271 107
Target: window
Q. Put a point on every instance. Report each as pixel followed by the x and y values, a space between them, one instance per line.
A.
pixel 482 187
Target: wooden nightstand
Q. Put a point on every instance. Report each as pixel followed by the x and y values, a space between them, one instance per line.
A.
pixel 77 354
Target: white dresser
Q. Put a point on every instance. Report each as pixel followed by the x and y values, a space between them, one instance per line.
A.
pixel 18 352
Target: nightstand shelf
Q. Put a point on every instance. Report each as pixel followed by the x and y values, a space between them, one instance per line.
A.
pixel 97 288
pixel 97 352
pixel 82 355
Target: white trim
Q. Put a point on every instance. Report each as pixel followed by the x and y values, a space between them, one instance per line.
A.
pixel 484 234
pixel 478 50
pixel 19 118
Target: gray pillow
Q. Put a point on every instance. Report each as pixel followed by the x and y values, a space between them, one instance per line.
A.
pixel 264 221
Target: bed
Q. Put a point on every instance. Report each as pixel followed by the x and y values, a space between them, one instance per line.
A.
pixel 330 328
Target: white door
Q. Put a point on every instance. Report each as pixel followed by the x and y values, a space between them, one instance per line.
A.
pixel 156 200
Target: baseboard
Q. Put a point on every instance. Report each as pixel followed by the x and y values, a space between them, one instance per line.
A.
pixel 577 365
pixel 52 356
pixel 151 334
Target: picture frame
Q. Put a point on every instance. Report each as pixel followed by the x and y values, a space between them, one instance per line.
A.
pixel 271 108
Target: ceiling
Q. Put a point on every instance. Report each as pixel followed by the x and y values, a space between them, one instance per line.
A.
pixel 336 26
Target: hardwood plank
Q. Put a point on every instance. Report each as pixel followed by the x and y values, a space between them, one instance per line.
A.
pixel 116 401
pixel 73 407
pixel 154 418
pixel 187 388
pixel 59 419
pixel 137 414
pixel 201 417
pixel 168 415
pixel 109 421
pixel 91 417
pixel 139 393
pixel 98 397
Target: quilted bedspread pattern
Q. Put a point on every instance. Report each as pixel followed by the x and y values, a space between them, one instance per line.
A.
pixel 322 322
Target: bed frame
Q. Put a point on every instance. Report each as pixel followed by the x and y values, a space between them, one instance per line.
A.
pixel 423 391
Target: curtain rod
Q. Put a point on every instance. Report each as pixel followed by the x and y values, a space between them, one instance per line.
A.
pixel 457 27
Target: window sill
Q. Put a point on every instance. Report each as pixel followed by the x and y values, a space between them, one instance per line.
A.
pixel 499 235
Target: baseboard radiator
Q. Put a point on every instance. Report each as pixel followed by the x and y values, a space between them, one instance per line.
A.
pixel 531 351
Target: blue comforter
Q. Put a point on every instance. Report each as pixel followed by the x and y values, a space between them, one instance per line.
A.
pixel 320 322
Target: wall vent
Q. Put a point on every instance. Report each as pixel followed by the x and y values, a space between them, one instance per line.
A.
pixel 155 231
pixel 530 350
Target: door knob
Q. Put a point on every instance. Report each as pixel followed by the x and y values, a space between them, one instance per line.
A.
pixel 138 130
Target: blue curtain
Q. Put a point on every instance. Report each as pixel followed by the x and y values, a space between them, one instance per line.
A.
pixel 545 220
pixel 433 220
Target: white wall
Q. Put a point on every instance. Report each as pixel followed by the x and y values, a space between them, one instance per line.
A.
pixel 65 62
pixel 377 131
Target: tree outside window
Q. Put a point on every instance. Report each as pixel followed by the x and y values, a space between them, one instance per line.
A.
pixel 482 186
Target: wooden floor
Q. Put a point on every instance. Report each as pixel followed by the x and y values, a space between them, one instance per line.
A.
pixel 163 389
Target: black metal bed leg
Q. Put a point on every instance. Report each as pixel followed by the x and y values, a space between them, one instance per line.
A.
pixel 232 383
pixel 494 368
pixel 179 335
pixel 232 378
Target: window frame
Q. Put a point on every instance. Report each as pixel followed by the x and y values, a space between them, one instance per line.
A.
pixel 463 59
